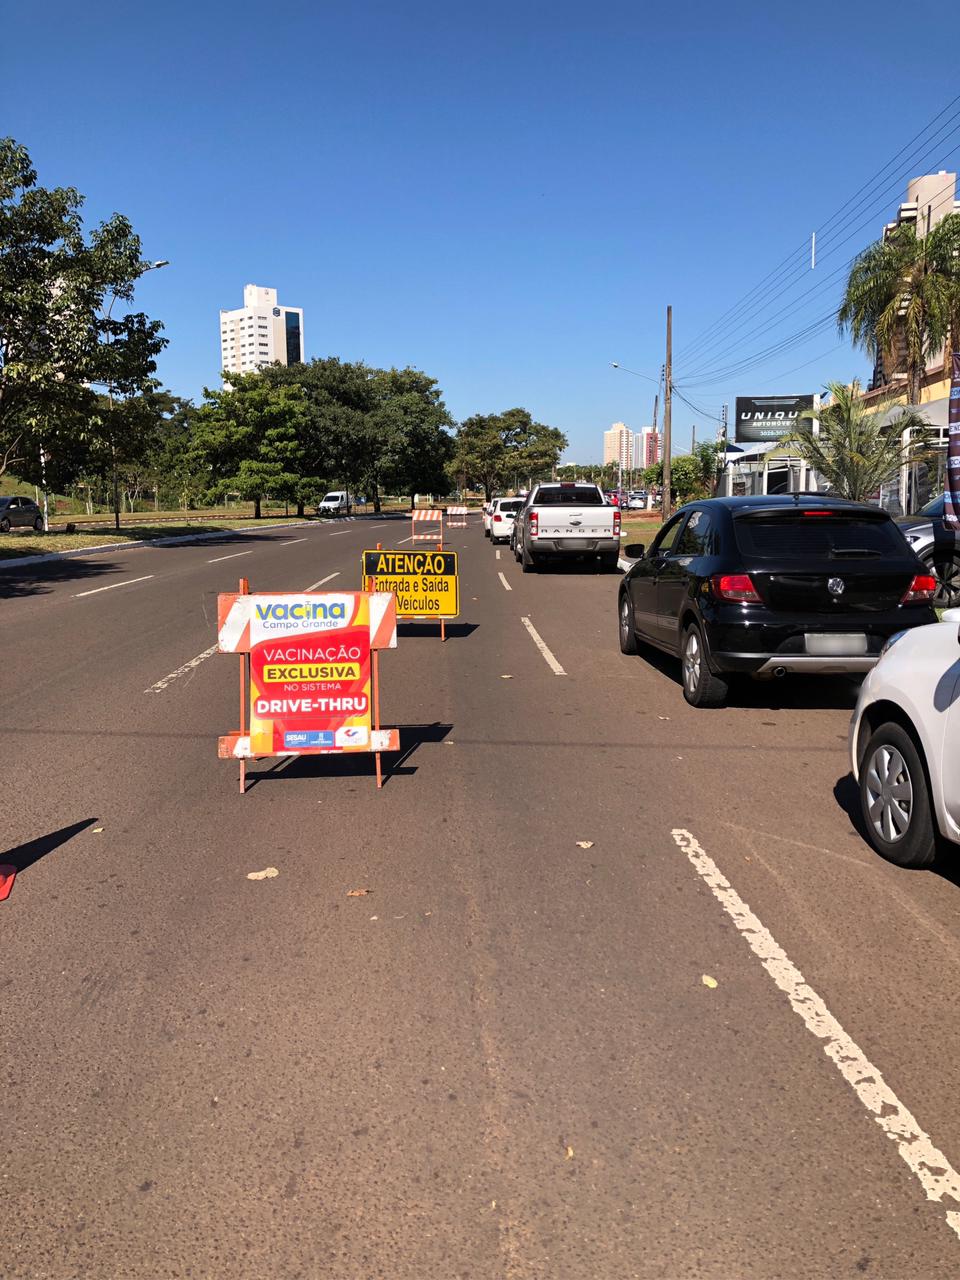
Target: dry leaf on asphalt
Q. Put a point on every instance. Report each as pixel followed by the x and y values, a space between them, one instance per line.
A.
pixel 97 830
pixel 569 1155
pixel 358 893
pixel 708 981
pixel 584 844
pixel 506 677
pixel 266 874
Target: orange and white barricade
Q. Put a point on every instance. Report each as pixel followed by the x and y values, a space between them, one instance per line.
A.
pixel 456 517
pixel 434 518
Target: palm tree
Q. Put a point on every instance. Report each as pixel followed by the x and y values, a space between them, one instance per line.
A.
pixel 857 448
pixel 903 298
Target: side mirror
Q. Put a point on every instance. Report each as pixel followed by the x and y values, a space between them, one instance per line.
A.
pixel 634 551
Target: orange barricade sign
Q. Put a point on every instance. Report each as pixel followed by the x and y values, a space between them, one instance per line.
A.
pixel 435 534
pixel 313 675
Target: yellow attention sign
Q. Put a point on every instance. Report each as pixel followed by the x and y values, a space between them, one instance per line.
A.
pixel 425 582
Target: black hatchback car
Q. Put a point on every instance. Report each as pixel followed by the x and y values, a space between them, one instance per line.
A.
pixel 771 585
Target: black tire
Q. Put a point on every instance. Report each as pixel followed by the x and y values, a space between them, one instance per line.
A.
pixel 610 563
pixel 5 525
pixel 892 764
pixel 487 533
pixel 528 561
pixel 38 524
pixel 947 573
pixel 516 550
pixel 701 687
pixel 628 635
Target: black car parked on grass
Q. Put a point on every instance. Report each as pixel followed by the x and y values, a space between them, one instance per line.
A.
pixel 20 513
pixel 771 585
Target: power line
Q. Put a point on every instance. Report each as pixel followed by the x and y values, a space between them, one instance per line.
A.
pixel 802 249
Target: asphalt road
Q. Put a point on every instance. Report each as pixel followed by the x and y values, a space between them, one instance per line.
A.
pixel 504 1061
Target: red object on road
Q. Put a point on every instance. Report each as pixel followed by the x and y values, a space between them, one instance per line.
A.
pixel 7 877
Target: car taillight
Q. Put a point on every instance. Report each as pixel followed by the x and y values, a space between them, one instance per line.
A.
pixel 534 523
pixel 922 588
pixel 735 586
pixel 616 524
pixel 496 518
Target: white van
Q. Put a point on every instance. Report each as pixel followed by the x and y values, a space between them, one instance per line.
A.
pixel 335 503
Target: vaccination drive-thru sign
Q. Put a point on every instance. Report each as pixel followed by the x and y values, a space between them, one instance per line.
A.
pixel 425 582
pixel 313 684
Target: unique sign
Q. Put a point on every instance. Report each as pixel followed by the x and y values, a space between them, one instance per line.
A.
pixel 425 582
pixel 310 679
pixel 760 418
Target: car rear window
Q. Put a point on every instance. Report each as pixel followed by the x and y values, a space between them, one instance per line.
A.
pixel 816 537
pixel 513 505
pixel 570 495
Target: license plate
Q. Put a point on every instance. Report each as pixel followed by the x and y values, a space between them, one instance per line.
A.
pixel 833 644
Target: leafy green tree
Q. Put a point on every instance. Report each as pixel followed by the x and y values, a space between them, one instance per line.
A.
pixel 246 438
pixel 492 449
pixel 58 337
pixel 902 299
pixel 858 448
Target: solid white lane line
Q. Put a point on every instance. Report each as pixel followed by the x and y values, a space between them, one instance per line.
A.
pixel 328 578
pixel 403 540
pixel 181 671
pixel 548 657
pixel 290 541
pixel 378 526
pixel 341 533
pixel 932 1169
pixel 506 584
pixel 127 582
pixel 233 556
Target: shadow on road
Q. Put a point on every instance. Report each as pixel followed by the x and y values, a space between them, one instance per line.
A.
pixel 25 855
pixel 790 693
pixel 354 765
pixel 455 630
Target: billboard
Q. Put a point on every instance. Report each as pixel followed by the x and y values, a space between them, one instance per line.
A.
pixel 761 418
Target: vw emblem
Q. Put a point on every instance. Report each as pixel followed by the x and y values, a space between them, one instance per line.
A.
pixel 836 586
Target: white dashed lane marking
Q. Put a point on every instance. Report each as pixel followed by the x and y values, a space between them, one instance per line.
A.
pixel 127 582
pixel 182 671
pixel 328 578
pixel 538 640
pixel 506 584
pixel 233 556
pixel 932 1169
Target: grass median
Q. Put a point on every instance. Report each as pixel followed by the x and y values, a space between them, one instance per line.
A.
pixel 16 546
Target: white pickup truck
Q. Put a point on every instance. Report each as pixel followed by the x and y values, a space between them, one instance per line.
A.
pixel 565 520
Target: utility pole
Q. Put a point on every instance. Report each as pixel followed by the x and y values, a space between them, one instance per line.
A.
pixel 693 439
pixel 667 397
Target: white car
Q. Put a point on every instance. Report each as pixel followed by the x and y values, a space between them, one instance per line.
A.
pixel 502 515
pixel 487 513
pixel 336 503
pixel 905 744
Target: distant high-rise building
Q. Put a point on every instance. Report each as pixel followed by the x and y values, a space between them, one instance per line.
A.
pixel 260 332
pixel 648 447
pixel 618 446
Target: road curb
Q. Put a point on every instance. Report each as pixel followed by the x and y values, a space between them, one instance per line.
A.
pixel 27 561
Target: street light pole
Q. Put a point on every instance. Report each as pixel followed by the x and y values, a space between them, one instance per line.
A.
pixel 667 417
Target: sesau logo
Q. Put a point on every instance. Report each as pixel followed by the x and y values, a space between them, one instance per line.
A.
pixel 300 738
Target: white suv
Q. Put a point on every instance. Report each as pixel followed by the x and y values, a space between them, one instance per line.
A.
pixel 905 743
pixel 503 512
pixel 336 503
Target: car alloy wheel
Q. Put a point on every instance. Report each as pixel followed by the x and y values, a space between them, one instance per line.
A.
pixel 947 575
pixel 692 662
pixel 889 793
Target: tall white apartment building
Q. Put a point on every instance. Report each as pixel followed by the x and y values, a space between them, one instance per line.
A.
pixel 260 332
pixel 618 446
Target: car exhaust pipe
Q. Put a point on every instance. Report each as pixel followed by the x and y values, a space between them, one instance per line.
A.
pixel 779 672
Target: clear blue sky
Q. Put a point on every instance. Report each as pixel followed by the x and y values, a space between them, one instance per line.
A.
pixel 506 195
